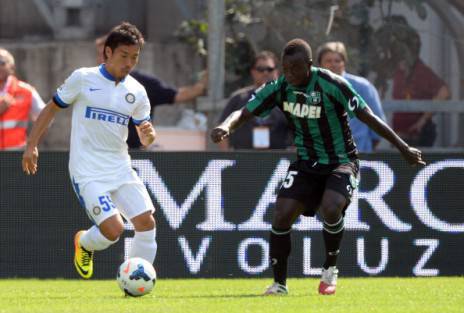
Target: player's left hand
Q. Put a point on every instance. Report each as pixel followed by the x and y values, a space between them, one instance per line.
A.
pixel 29 162
pixel 148 132
pixel 413 156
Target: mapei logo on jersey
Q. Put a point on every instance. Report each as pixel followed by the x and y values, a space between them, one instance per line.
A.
pixel 303 110
pixel 106 116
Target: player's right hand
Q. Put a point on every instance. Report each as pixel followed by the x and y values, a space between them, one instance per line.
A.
pixel 413 156
pixel 29 162
pixel 218 134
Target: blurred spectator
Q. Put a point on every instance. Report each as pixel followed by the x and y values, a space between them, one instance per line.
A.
pixel 259 133
pixel 158 92
pixel 333 56
pixel 413 80
pixel 19 104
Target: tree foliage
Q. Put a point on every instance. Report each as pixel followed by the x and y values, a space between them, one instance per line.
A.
pixel 374 46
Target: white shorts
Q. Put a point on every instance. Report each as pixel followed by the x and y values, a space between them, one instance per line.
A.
pixel 100 202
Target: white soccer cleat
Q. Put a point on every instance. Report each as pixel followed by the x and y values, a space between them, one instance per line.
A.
pixel 328 283
pixel 276 289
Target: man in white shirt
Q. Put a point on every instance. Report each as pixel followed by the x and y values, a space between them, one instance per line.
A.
pixel 103 99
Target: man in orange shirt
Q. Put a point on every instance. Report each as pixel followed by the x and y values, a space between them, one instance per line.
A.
pixel 19 103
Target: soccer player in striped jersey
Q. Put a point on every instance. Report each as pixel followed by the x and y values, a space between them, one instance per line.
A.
pixel 317 104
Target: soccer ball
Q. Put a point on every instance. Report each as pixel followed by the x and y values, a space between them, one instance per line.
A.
pixel 136 277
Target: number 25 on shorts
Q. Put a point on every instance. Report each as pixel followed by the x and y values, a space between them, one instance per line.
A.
pixel 288 181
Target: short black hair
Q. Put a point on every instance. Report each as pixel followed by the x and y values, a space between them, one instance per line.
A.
pixel 296 46
pixel 123 34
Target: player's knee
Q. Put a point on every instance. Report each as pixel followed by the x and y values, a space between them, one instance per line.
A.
pixel 281 220
pixel 150 223
pixel 144 223
pixel 113 232
pixel 147 225
pixel 331 209
pixel 114 235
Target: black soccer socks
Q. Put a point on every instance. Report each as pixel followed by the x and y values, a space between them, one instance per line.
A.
pixel 281 245
pixel 332 234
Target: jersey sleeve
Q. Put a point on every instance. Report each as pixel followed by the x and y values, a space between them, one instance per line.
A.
pixel 349 98
pixel 264 99
pixel 67 93
pixel 142 110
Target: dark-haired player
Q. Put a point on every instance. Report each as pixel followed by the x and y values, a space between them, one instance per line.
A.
pixel 103 99
pixel 316 103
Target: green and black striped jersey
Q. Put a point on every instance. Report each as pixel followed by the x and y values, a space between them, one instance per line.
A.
pixel 317 114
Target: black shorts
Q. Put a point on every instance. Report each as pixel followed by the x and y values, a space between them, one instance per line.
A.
pixel 306 182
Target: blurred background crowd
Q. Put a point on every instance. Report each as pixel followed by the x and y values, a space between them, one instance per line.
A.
pixel 405 57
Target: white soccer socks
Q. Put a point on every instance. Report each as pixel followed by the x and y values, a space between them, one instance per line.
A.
pixel 93 240
pixel 144 245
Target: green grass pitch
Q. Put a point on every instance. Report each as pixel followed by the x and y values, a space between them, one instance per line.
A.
pixel 360 295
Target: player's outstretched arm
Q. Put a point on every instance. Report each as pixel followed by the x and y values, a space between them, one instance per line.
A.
pixel 147 133
pixel 410 154
pixel 31 154
pixel 230 124
pixel 189 93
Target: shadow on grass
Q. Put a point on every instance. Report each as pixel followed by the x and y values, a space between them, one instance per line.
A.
pixel 225 296
pixel 204 296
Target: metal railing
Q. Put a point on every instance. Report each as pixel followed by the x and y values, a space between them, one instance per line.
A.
pixel 449 106
pixel 449 119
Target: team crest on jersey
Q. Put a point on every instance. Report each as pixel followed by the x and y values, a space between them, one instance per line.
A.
pixel 96 210
pixel 130 98
pixel 315 97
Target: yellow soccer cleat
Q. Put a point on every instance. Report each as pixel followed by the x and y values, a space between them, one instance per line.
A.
pixel 83 259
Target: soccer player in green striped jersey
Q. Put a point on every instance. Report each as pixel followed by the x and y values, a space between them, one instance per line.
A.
pixel 317 104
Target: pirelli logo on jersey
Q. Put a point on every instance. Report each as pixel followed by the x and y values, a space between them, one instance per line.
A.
pixel 106 116
pixel 303 110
